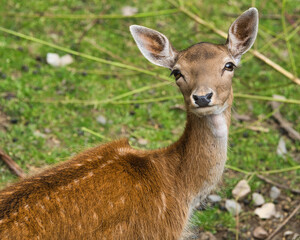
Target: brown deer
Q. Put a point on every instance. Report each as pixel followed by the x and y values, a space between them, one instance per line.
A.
pixel 114 191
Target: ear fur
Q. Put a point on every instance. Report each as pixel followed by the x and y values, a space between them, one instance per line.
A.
pixel 154 46
pixel 242 33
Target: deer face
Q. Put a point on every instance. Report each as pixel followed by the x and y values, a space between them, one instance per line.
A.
pixel 204 71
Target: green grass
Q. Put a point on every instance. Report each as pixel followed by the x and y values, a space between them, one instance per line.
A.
pixel 40 134
pixel 212 219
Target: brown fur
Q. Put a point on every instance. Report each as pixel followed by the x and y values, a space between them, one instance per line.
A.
pixel 113 191
pixel 116 192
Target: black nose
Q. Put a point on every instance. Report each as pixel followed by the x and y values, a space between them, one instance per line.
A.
pixel 203 101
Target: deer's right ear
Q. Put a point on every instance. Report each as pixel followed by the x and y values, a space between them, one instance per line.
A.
pixel 154 46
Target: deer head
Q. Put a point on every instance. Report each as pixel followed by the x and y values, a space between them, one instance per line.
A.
pixel 204 71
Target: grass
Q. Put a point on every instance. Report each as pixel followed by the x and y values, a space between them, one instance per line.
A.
pixel 46 127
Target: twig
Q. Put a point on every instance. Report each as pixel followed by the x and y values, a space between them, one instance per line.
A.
pixel 277 184
pixel 237 169
pixel 288 45
pixel 92 16
pixel 283 123
pixel 248 126
pixel 280 170
pixel 150 100
pixel 13 166
pixel 104 50
pixel 263 172
pixel 283 223
pixel 84 55
pixel 275 66
pixel 99 72
pixel 106 101
pixel 95 133
pixel 264 98
pixel 224 35
pixel 86 30
pixel 275 38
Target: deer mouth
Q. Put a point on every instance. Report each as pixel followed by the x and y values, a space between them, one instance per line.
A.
pixel 209 110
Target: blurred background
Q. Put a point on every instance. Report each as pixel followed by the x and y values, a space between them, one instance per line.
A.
pixel 71 77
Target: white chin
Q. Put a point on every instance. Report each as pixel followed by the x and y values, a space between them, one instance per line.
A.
pixel 214 110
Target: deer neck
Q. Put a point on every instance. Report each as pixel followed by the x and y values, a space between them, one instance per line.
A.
pixel 202 150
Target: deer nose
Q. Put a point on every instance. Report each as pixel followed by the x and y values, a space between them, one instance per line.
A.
pixel 203 101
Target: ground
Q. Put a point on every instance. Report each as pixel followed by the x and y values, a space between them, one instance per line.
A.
pixel 48 114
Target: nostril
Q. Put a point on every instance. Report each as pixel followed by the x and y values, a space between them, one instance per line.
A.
pixel 195 97
pixel 209 96
pixel 203 101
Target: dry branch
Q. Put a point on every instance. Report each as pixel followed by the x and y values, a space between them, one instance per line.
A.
pixel 283 223
pixel 277 184
pixel 90 16
pixel 287 126
pixel 13 166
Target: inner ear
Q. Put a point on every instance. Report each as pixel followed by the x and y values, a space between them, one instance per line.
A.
pixel 242 33
pixel 154 46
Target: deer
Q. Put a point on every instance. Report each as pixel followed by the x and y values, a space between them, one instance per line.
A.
pixel 115 191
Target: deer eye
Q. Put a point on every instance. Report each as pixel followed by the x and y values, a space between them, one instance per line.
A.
pixel 177 74
pixel 229 66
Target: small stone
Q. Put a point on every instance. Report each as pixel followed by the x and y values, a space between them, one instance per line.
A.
pixel 222 207
pixel 296 236
pixel 132 113
pixel 66 60
pixel 246 201
pixel 53 59
pixel 241 190
pixel 274 192
pixel 14 121
pixel 214 198
pixel 266 211
pixel 258 199
pixel 260 233
pixel 101 119
pixel 143 141
pixel 278 215
pixel 80 132
pixel 281 148
pixel 129 11
pixel 233 207
pixel 25 68
pixel 245 134
pixel 2 75
pixel 286 208
pixel 287 233
pixel 39 58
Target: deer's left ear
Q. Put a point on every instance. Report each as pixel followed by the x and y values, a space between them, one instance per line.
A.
pixel 242 33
